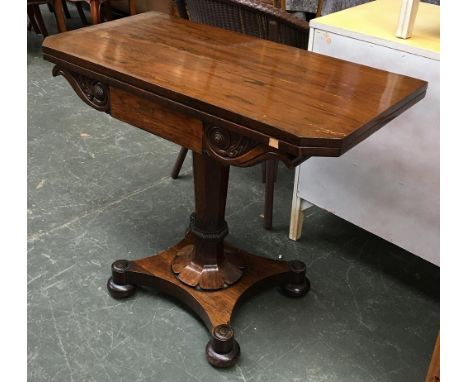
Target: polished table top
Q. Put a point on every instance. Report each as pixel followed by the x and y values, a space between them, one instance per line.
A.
pixel 303 99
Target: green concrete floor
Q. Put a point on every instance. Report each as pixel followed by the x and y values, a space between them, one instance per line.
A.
pixel 99 190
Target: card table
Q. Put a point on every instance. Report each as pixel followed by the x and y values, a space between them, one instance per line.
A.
pixel 234 100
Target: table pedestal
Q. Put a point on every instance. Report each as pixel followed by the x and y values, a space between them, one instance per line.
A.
pixel 204 272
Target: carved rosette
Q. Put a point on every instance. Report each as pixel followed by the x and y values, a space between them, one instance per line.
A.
pixel 238 150
pixel 227 144
pixel 232 148
pixel 91 91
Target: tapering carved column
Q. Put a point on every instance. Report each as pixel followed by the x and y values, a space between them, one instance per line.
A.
pixel 204 264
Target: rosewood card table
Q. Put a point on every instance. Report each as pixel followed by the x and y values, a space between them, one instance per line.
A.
pixel 232 100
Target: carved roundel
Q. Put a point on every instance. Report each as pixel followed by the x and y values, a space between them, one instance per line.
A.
pixel 99 94
pixel 95 91
pixel 227 144
pixel 91 91
pixel 235 149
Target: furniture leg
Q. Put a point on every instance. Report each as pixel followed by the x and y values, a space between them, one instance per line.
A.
pixel 65 9
pixel 95 14
pixel 319 8
pixel 271 167
pixel 59 16
pixel 297 213
pixel 132 6
pixel 263 171
pixel 32 19
pixel 107 10
pixel 79 8
pixel 283 5
pixel 433 373
pixel 179 162
pixel 275 169
pixel 204 272
pixel 40 20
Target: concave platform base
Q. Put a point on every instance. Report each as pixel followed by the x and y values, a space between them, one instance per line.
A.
pixel 216 307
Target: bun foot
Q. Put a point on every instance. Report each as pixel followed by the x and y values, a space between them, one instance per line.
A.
pixel 222 350
pixel 117 285
pixel 298 284
pixel 120 291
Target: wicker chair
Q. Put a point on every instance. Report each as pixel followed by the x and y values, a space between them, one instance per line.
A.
pixel 257 19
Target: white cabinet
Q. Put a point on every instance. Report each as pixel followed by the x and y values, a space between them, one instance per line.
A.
pixel 388 184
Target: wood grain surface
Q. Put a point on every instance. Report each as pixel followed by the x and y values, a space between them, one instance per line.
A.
pixel 302 98
pixel 158 119
pixel 214 307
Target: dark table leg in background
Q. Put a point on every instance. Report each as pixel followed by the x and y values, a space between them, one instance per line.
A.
pixel 179 162
pixel 40 20
pixel 271 172
pixel 32 18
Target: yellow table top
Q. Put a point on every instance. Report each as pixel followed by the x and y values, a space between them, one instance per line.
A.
pixel 378 20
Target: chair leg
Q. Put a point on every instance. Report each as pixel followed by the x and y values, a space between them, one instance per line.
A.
pixel 275 172
pixel 40 20
pixel 270 177
pixel 179 162
pixel 95 16
pixel 79 8
pixel 65 9
pixel 107 10
pixel 132 7
pixel 264 169
pixel 59 17
pixel 32 19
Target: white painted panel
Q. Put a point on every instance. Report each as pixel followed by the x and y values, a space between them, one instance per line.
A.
pixel 388 184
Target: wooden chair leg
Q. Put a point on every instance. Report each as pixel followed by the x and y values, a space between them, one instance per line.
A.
pixel 59 16
pixel 83 18
pixel 132 7
pixel 319 8
pixel 65 9
pixel 32 19
pixel 95 15
pixel 40 20
pixel 179 162
pixel 275 170
pixel 433 374
pixel 264 169
pixel 107 10
pixel 271 169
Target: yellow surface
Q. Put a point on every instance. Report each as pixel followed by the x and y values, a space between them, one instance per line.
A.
pixel 379 19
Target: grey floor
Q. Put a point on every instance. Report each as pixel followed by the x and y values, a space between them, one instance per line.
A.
pixel 99 190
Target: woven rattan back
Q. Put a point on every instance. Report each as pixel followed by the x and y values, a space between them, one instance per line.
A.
pixel 249 17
